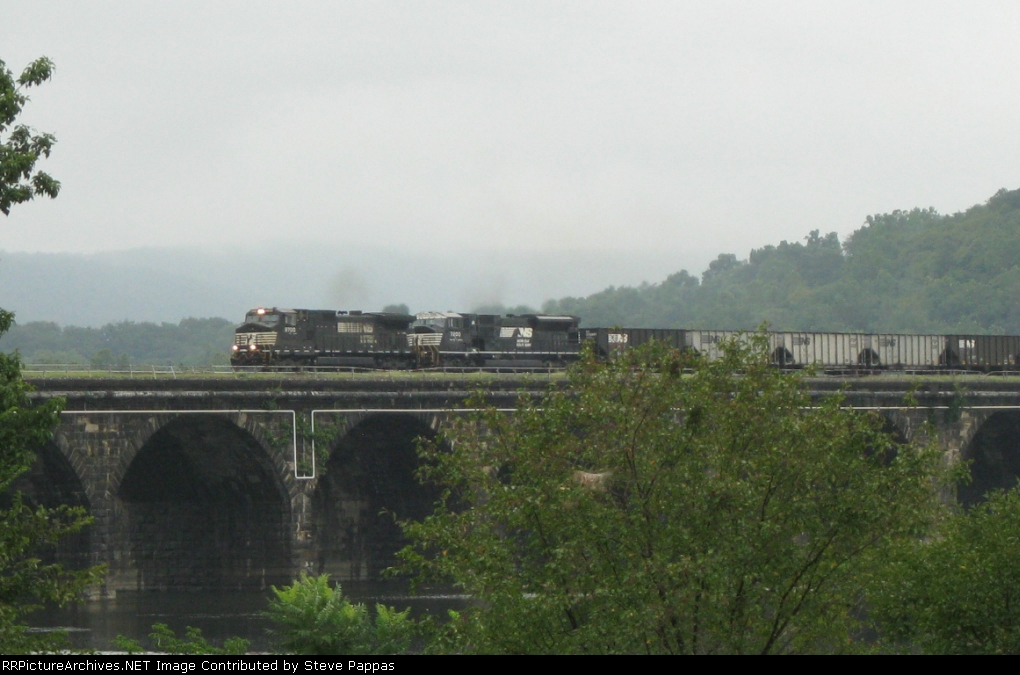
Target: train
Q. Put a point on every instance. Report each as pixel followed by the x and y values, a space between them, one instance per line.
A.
pixel 388 340
pixel 298 338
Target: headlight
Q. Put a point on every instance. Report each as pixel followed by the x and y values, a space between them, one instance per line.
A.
pixel 234 347
pixel 252 347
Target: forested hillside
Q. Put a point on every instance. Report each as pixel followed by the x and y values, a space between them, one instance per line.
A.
pixel 191 342
pixel 906 271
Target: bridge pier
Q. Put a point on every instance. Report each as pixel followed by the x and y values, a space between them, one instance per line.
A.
pixel 368 483
pixel 190 499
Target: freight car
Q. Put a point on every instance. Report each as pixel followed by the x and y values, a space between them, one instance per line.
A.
pixel 301 337
pixel 835 352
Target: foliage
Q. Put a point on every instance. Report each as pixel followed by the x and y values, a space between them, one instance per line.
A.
pixel 128 645
pixel 25 581
pixel 165 641
pixel 20 145
pixel 317 619
pixel 913 271
pixel 120 345
pixel 957 594
pixel 667 504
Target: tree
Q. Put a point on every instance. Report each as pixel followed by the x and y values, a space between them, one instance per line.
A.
pixel 20 145
pixel 957 594
pixel 25 581
pixel 663 503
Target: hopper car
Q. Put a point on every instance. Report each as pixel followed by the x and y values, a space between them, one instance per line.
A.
pixel 837 352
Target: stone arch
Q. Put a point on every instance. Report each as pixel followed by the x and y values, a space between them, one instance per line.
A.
pixel 994 456
pixel 276 445
pixel 79 463
pixel 366 485
pixel 206 506
pixel 897 428
pixel 904 424
pixel 50 482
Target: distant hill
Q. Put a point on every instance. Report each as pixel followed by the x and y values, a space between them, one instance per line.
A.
pixel 907 271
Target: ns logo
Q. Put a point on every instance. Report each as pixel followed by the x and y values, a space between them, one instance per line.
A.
pixel 515 331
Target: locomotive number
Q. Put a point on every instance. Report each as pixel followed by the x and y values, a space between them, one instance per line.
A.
pixel 618 338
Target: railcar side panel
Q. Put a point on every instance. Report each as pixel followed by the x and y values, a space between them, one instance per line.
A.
pixel 982 351
pixel 825 350
pixel 903 351
pixel 709 343
pixel 613 341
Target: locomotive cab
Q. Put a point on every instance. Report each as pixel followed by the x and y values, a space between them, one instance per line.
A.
pixel 257 338
pixel 451 338
pixel 449 331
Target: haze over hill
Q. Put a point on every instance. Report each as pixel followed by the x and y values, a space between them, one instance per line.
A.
pixel 908 271
pixel 171 284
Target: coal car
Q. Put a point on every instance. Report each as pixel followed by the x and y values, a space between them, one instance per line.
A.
pixel 834 352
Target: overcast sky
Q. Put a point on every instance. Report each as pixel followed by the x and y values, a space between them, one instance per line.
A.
pixel 673 130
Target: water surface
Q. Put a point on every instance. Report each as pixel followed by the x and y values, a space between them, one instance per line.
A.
pixel 218 614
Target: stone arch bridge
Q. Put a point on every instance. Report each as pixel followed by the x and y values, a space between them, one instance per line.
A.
pixel 242 483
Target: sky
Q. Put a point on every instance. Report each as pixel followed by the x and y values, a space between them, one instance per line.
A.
pixel 664 132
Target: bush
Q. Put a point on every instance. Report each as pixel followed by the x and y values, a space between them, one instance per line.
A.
pixel 165 641
pixel 317 619
pixel 959 593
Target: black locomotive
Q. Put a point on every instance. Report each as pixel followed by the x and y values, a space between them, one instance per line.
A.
pixel 385 340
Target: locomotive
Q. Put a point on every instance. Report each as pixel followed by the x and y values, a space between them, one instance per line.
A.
pixel 387 340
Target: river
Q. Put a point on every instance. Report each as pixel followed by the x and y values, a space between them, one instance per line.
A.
pixel 218 614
